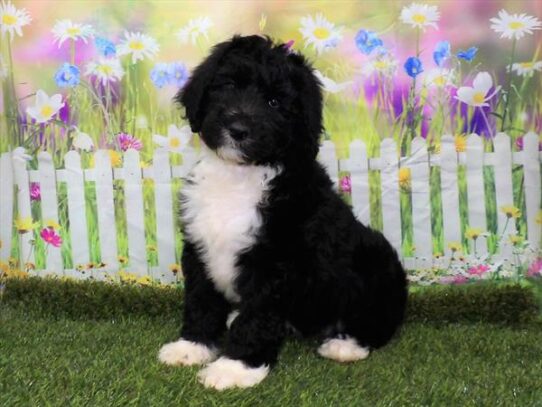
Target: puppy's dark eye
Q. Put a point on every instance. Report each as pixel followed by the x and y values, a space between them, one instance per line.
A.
pixel 274 103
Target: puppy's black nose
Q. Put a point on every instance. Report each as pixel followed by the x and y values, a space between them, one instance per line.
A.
pixel 238 131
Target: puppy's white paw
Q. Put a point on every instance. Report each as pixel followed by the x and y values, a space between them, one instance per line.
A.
pixel 225 373
pixel 343 350
pixel 183 352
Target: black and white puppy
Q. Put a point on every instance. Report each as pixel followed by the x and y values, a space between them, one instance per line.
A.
pixel 270 247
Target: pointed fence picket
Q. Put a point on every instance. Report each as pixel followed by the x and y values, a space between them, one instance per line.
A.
pixel 15 176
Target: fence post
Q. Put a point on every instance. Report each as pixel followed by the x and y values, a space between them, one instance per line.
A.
pixel 503 190
pixel 391 209
pixel 105 207
pixel 449 188
pixel 421 203
pixel 24 208
pixel 49 206
pixel 6 205
pixel 358 165
pixel 135 214
pixel 531 171
pixel 165 235
pixel 75 185
pixel 475 188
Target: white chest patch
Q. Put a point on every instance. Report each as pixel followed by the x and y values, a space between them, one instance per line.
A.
pixel 221 215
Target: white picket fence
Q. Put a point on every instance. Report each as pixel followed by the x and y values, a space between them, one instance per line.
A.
pixel 14 172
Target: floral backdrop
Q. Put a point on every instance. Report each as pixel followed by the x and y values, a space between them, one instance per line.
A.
pixel 84 76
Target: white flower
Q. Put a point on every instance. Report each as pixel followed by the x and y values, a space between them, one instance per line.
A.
pixel 439 78
pixel 66 29
pixel 12 19
pixel 420 15
pixel 45 107
pixel 139 45
pixel 193 29
pixel 514 25
pixel 3 68
pixel 477 94
pixel 106 69
pixel 82 141
pixel 384 64
pixel 320 33
pixel 527 68
pixel 329 84
pixel 176 140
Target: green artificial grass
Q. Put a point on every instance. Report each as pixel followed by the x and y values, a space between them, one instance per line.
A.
pixel 57 361
pixel 493 302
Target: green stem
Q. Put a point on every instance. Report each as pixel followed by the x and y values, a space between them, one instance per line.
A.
pixel 13 107
pixel 508 86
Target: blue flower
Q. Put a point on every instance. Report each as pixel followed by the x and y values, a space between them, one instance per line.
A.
pixel 468 55
pixel 105 47
pixel 177 74
pixel 442 51
pixel 367 41
pixel 413 67
pixel 160 75
pixel 67 76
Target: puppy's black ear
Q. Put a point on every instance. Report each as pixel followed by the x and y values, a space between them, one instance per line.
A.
pixel 310 103
pixel 192 95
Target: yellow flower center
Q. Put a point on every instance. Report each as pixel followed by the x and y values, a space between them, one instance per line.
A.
pixel 515 25
pixel 174 142
pixel 73 31
pixel 8 19
pixel 136 45
pixel 380 65
pixel 321 33
pixel 440 80
pixel 47 111
pixel 460 144
pixel 478 97
pixel 527 65
pixel 419 18
pixel 105 69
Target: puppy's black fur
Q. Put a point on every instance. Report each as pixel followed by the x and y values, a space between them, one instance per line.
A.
pixel 313 265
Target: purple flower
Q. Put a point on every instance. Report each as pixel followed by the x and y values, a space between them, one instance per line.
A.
pixel 160 75
pixel 35 191
pixel 519 144
pixel 177 74
pixel 346 184
pixel 127 141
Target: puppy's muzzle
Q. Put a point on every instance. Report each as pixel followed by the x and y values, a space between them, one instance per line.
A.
pixel 237 130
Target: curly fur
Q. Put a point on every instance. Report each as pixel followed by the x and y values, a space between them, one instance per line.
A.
pixel 305 261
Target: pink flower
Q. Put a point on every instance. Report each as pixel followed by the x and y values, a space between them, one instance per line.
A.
pixel 346 184
pixel 50 236
pixel 535 269
pixel 454 280
pixel 127 141
pixel 35 191
pixel 478 270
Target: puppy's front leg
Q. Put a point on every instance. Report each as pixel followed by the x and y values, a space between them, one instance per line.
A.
pixel 254 340
pixel 204 316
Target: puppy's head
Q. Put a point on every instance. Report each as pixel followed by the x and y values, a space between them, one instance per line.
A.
pixel 254 102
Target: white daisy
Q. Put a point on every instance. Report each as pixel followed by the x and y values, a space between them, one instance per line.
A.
pixel 329 84
pixel 420 15
pixel 527 68
pixel 66 29
pixel 45 107
pixel 82 141
pixel 193 29
pixel 139 45
pixel 320 33
pixel 106 69
pixel 439 78
pixel 176 140
pixel 514 25
pixel 477 94
pixel 384 64
pixel 12 19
